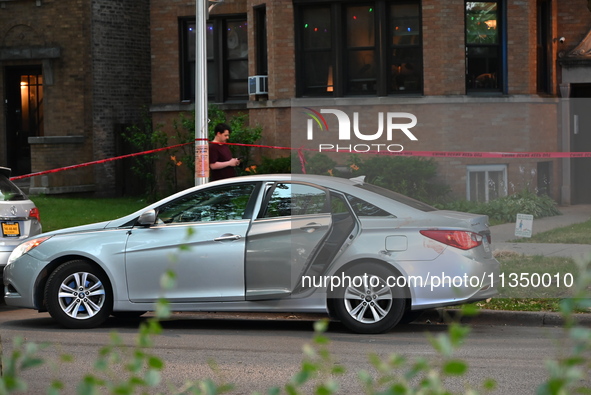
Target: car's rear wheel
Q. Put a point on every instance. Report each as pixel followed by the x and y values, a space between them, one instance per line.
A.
pixel 79 295
pixel 366 304
pixel 411 316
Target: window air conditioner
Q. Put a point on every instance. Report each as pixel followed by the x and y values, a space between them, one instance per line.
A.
pixel 257 85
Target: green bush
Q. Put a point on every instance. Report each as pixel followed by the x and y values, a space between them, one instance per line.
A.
pixel 271 166
pixel 314 164
pixel 505 209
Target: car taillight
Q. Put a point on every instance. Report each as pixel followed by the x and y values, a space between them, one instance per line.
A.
pixel 34 213
pixel 456 238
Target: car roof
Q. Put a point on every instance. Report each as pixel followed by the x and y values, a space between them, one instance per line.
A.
pixel 327 181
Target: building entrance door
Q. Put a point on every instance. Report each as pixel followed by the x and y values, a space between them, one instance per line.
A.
pixel 24 114
pixel 581 142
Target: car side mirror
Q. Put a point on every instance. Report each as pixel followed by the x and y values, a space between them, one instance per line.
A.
pixel 147 218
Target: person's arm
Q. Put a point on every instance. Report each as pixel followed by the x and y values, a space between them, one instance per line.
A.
pixel 221 165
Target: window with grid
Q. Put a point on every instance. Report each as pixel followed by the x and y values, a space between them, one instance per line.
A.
pixel 484 39
pixel 486 182
pixel 361 48
pixel 227 58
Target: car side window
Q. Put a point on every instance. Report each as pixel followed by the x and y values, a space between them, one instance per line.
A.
pixel 296 199
pixel 365 209
pixel 9 191
pixel 221 203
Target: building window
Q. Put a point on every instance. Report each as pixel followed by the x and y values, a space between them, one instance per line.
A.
pixel 365 48
pixel 484 59
pixel 227 59
pixel 260 16
pixel 486 182
pixel 544 48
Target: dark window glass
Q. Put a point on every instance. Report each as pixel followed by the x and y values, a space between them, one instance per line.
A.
pixel 9 191
pixel 316 30
pixel 214 204
pixel 227 64
pixel 365 209
pixel 406 63
pixel 361 47
pixel 295 199
pixel 483 46
pixel 366 48
pixel 260 15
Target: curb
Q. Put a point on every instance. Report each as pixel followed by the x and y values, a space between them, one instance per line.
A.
pixel 441 316
pixel 501 318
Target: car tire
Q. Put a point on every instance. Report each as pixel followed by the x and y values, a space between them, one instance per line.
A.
pixel 368 306
pixel 79 295
pixel 411 316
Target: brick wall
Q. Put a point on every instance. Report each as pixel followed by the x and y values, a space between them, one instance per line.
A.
pixel 54 23
pixel 521 46
pixel 100 80
pixel 492 124
pixel 444 47
pixel 121 76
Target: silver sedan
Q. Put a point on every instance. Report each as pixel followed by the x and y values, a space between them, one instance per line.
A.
pixel 364 255
pixel 19 217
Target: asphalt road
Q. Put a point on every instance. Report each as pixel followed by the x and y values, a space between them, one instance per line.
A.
pixel 258 354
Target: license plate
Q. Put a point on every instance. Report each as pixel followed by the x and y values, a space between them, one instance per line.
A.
pixel 11 229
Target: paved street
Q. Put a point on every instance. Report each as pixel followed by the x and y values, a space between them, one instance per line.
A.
pixel 258 354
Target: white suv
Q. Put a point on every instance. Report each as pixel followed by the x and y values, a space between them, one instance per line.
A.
pixel 19 217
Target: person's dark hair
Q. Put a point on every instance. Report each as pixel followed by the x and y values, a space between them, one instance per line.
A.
pixel 221 128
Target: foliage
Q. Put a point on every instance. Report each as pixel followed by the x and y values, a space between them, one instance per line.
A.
pixel 271 166
pixel 145 138
pixel 505 209
pixel 414 177
pixel 241 133
pixel 411 176
pixel 316 164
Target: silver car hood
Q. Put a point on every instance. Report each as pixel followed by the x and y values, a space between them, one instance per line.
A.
pixel 77 229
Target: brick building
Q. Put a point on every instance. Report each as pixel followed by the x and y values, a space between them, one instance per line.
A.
pixel 490 76
pixel 479 76
pixel 72 75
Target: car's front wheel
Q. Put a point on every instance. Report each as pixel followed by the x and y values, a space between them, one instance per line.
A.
pixel 365 303
pixel 79 295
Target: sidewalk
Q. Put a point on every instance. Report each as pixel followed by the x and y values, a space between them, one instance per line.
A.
pixel 502 235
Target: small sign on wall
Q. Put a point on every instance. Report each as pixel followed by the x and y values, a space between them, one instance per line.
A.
pixel 524 225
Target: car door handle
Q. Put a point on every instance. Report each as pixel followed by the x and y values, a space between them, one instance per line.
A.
pixel 227 237
pixel 311 227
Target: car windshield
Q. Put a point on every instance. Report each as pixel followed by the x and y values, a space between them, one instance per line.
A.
pixel 9 191
pixel 397 197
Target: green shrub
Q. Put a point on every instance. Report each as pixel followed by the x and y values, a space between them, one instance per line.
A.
pixel 505 209
pixel 314 164
pixel 410 176
pixel 271 166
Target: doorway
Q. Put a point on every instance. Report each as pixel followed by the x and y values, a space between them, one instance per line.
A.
pixel 581 142
pixel 24 114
